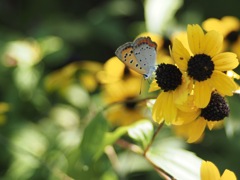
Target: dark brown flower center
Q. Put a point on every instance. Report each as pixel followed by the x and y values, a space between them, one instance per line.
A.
pixel 217 109
pixel 130 103
pixel 166 43
pixel 232 37
pixel 168 77
pixel 200 67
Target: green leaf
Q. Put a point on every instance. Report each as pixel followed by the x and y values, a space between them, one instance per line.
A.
pixel 93 138
pixel 141 132
pixel 111 137
pixel 179 163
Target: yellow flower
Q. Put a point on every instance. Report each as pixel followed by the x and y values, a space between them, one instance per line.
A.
pixel 193 121
pixel 210 172
pixel 204 64
pixel 88 74
pixel 120 89
pixel 229 27
pixel 123 114
pixel 61 79
pixel 225 25
pixel 174 86
pixel 114 71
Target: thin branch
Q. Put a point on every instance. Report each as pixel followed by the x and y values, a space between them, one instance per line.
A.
pixel 136 149
pixel 127 145
pixel 160 171
pixel 112 156
pixel 127 101
pixel 153 138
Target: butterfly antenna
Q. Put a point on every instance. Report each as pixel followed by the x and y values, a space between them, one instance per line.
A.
pixel 170 50
pixel 149 81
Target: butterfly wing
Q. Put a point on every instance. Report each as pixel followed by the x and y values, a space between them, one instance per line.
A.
pixel 144 50
pixel 126 55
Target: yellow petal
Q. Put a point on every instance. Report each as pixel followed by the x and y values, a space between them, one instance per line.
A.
pixel 157 113
pixel 213 43
pixel 182 37
pixel 195 39
pixel 162 58
pixel 114 68
pixel 225 61
pixel 180 54
pixel 181 131
pixel 228 175
pixel 209 171
pixel 169 109
pixel 224 84
pixel 202 93
pixel 154 86
pixel 213 24
pixel 210 124
pixel 197 129
pixel 181 93
pixel 188 106
pixel 230 23
pixel 186 117
pixel 215 124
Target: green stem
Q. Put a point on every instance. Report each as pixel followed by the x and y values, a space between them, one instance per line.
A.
pixel 160 171
pixel 136 149
pixel 127 145
pixel 126 101
pixel 153 138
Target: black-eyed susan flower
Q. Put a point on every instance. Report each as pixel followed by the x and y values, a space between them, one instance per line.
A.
pixel 210 172
pixel 174 90
pixel 229 27
pixel 194 120
pixel 83 72
pixel 125 108
pixel 114 71
pixel 121 89
pixel 204 64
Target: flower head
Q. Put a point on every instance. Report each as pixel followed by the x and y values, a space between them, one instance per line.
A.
pixel 204 64
pixel 194 121
pixel 120 88
pixel 115 71
pixel 174 86
pixel 62 79
pixel 229 27
pixel 210 172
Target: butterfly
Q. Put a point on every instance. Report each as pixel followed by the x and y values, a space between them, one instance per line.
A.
pixel 139 55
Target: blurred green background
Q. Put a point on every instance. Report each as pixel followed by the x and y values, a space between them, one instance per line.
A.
pixel 41 129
